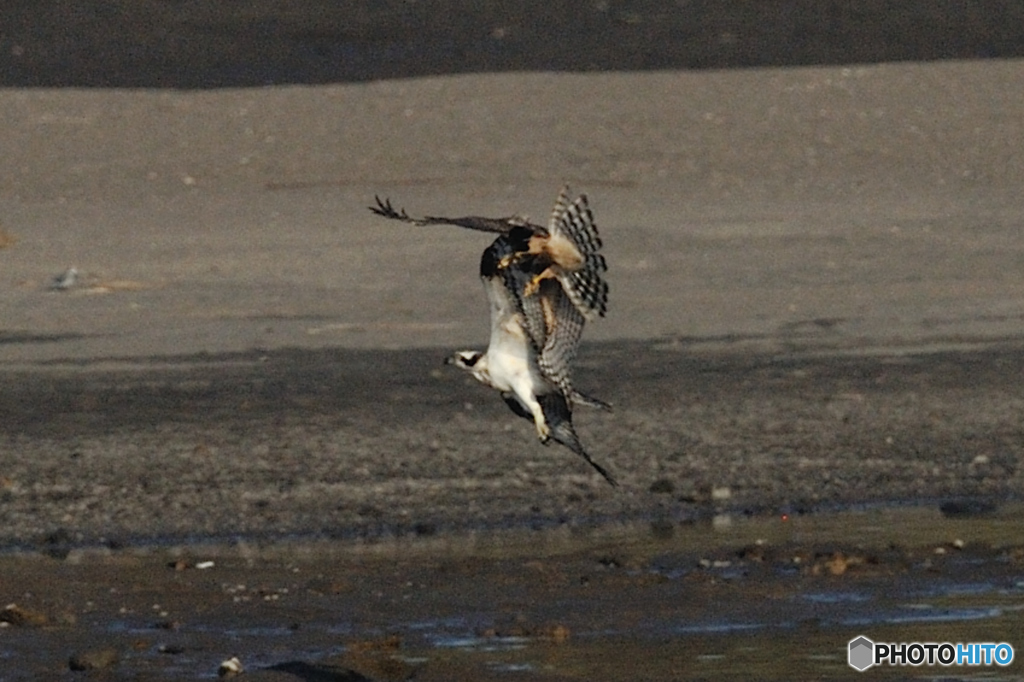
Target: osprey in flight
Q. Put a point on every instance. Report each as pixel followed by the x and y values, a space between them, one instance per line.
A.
pixel 543 283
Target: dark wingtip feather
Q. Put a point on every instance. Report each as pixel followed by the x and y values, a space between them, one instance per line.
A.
pixel 386 210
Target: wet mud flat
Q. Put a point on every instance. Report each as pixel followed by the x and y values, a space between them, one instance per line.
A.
pixel 733 598
pixel 347 515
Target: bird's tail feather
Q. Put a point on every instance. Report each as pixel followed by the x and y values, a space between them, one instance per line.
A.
pixel 579 398
pixel 559 419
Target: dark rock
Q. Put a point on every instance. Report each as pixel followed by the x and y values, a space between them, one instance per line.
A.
pixel 171 649
pixel 967 508
pixel 663 486
pixel 94 659
pixel 18 616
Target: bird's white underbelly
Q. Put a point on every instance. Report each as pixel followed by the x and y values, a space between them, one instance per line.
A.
pixel 510 361
pixel 509 372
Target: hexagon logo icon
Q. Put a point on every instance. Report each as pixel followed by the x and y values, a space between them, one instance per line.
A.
pixel 862 653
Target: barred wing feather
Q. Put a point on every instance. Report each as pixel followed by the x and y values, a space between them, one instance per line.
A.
pixel 585 287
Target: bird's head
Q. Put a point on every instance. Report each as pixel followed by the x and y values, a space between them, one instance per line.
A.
pixel 465 359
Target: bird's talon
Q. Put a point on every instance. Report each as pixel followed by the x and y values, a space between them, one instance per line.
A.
pixel 532 287
pixel 507 261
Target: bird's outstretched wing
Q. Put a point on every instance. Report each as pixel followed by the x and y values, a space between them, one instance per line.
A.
pixel 551 320
pixel 585 286
pixel 478 223
pixel 563 326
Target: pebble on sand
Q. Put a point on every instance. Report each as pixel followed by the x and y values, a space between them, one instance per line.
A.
pixel 230 668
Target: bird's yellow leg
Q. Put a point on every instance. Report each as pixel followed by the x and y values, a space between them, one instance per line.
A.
pixel 543 431
pixel 533 285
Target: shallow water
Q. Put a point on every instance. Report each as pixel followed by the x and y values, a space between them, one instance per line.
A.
pixel 752 597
